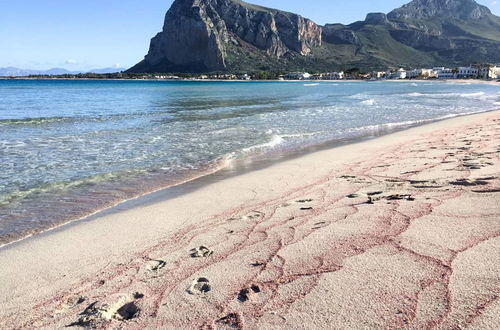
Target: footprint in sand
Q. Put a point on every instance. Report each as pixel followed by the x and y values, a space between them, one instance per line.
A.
pixel 398 197
pixel 305 201
pixel 201 252
pixel 353 196
pixel 302 201
pixel 252 215
pixel 487 178
pixel 247 293
pixel 89 318
pixel 124 309
pixel 376 196
pixel 468 183
pixel 230 321
pixel 200 286
pixel 95 316
pixel 70 303
pixel 486 191
pixel 319 225
pixel 472 166
pixel 155 265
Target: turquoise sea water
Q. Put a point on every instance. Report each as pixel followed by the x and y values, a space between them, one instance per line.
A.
pixel 68 148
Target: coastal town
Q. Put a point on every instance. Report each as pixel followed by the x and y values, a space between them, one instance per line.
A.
pixel 485 72
pixel 470 72
pixel 482 72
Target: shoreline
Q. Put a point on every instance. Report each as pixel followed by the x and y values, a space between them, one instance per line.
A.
pixel 324 238
pixel 230 169
pixel 458 81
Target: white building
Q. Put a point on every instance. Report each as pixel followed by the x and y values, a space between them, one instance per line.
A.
pixel 427 73
pixel 400 74
pixel 444 73
pixel 494 72
pixel 467 72
pixel 412 74
pixel 333 75
pixel 298 76
pixel 381 74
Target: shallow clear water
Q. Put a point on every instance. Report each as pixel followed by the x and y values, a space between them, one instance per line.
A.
pixel 68 148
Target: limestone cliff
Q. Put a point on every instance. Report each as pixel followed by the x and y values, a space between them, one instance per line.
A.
pixel 196 34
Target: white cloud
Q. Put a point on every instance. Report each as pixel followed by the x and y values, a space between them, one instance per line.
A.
pixel 494 2
pixel 117 65
pixel 70 61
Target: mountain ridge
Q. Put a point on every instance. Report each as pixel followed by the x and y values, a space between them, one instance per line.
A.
pixel 232 35
pixel 18 72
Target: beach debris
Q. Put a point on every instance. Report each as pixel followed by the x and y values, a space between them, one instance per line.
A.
pixel 257 264
pixel 155 265
pixel 199 286
pixel 353 196
pixel 306 208
pixel 201 252
pixel 245 294
pixel 373 193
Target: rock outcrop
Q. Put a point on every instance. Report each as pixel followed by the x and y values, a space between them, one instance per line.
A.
pixel 422 9
pixel 196 34
pixel 339 34
pixel 433 25
pixel 376 18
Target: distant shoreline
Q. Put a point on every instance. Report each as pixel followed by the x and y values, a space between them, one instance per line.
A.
pixel 461 81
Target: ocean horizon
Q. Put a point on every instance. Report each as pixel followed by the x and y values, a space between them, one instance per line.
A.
pixel 70 148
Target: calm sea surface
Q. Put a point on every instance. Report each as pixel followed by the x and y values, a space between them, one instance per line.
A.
pixel 69 148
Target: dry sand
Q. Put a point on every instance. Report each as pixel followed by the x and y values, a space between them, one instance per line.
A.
pixel 401 231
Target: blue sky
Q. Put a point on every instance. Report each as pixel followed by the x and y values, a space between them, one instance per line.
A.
pixel 86 34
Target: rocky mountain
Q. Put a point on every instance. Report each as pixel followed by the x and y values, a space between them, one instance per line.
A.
pixel 232 35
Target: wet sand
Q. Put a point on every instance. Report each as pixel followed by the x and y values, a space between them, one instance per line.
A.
pixel 402 231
